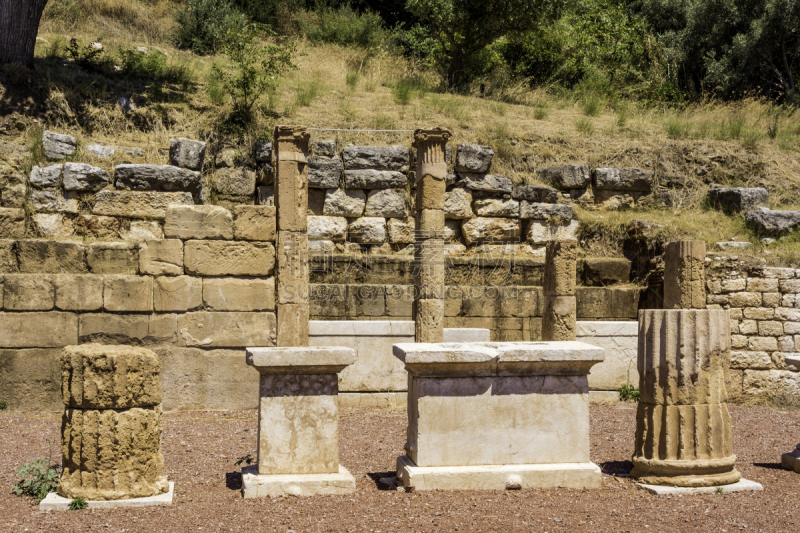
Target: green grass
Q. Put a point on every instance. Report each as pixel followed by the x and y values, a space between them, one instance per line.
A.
pixel 352 78
pixel 307 93
pixel 77 504
pixel 540 113
pixel 585 125
pixel 403 91
pixel 592 105
pixel 677 128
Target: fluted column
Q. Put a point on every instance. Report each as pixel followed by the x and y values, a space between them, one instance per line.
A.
pixel 431 181
pixel 685 275
pixel 683 428
pixel 558 320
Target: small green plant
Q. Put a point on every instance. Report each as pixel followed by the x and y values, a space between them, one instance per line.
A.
pixel 38 477
pixel 719 490
pixel 89 57
pixel 540 113
pixel 403 91
pixel 628 393
pixel 306 93
pixel 750 139
pixel 245 459
pixel 352 78
pixel 585 125
pixel 3 406
pixel 592 105
pixel 77 504
pixel 254 67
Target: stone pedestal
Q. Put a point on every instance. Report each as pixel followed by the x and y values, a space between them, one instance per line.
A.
pixel 431 178
pixel 491 415
pixel 559 317
pixel 298 422
pixel 791 460
pixel 685 275
pixel 683 429
pixel 111 428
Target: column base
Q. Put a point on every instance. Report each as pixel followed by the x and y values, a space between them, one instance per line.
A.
pixel 257 486
pixel 791 461
pixel 665 490
pixel 498 477
pixel 54 502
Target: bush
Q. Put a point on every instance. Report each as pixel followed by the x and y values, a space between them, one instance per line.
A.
pixel 39 478
pixel 153 65
pixel 204 24
pixel 343 26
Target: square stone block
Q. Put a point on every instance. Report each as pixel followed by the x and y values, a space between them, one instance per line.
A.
pixel 258 486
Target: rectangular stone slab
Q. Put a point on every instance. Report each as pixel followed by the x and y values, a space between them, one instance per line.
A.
pixel 474 352
pixel 257 486
pixel 54 502
pixel 300 359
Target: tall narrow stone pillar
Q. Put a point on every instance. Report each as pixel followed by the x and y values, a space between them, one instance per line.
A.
pixel 431 181
pixel 685 275
pixel 683 429
pixel 558 320
pixel 791 460
pixel 290 151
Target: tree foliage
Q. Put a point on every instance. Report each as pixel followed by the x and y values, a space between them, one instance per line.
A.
pixel 465 28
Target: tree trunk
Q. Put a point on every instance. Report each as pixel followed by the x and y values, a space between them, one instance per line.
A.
pixel 19 23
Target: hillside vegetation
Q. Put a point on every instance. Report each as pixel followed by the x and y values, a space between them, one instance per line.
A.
pixel 745 142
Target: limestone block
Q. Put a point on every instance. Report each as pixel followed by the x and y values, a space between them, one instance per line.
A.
pixel 401 231
pixel 84 177
pixel 82 292
pixel 12 223
pixel 342 203
pixel 134 204
pixel 111 455
pixel 762 285
pixel 158 178
pixel 233 294
pixel 141 230
pixel 107 328
pixel 54 202
pixel 177 293
pixel 486 182
pixel 46 177
pixel 240 181
pixel 566 176
pixel 623 179
pixel 458 204
pixel 113 258
pixel 228 258
pixel 452 233
pixel 769 222
pixel 198 222
pixel 97 150
pixel 324 148
pixel 374 179
pixel 777 272
pixel 748 327
pixel 388 203
pixel 30 379
pixel 376 157
pixel 559 270
pixel 368 230
pixel 226 330
pixel 791 286
pixel 263 151
pixel 254 223
pixel 162 257
pixel 128 293
pixel 51 257
pixel 669 451
pixel 38 330
pixel 544 212
pixel 53 226
pixel 484 229
pixel 187 153
pixel 321 247
pixel 22 292
pixel 750 359
pixel 606 271
pixel 58 145
pixel 745 299
pixel 292 324
pixel 733 285
pixel 324 172
pixel 495 207
pixel 473 158
pixel 765 383
pixel 327 228
pixel 535 194
pixel 620 342
pixel 8 257
pixel 763 343
pixel 292 274
pixel 737 199
pixel 770 327
pixel 98 376
pixel 783 313
pixel 539 232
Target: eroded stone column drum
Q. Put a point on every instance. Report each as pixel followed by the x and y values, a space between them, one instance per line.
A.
pixel 685 275
pixel 112 455
pixel 560 309
pixel 683 428
pixel 111 427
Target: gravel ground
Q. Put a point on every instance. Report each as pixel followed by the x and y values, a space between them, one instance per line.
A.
pixel 200 450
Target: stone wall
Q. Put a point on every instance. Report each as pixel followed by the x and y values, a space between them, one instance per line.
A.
pixel 764 304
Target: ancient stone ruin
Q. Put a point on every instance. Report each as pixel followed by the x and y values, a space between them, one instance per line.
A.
pixel 111 428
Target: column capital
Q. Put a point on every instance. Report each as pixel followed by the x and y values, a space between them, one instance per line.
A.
pixel 430 135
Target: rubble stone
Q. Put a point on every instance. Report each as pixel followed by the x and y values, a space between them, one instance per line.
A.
pixel 376 157
pixel 473 158
pixel 324 172
pixel 187 153
pixel 83 177
pixel 566 176
pixel 374 179
pixel 198 222
pixel 58 145
pixel 389 203
pixel 46 177
pixel 344 203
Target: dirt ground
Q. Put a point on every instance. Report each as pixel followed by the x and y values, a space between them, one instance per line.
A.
pixel 200 450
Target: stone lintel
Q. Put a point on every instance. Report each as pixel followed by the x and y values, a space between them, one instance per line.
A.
pixel 258 486
pixel 501 358
pixel 498 477
pixel 300 359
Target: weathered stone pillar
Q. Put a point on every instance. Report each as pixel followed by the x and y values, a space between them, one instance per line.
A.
pixel 491 415
pixel 111 428
pixel 683 429
pixel 290 151
pixel 791 460
pixel 431 181
pixel 685 275
pixel 558 319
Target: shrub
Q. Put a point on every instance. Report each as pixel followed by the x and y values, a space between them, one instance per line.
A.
pixel 592 105
pixel 306 93
pixel 585 125
pixel 343 26
pixel 254 67
pixel 203 25
pixel 154 65
pixel 402 91
pixel 628 393
pixel 38 478
pixel 352 78
pixel 77 504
